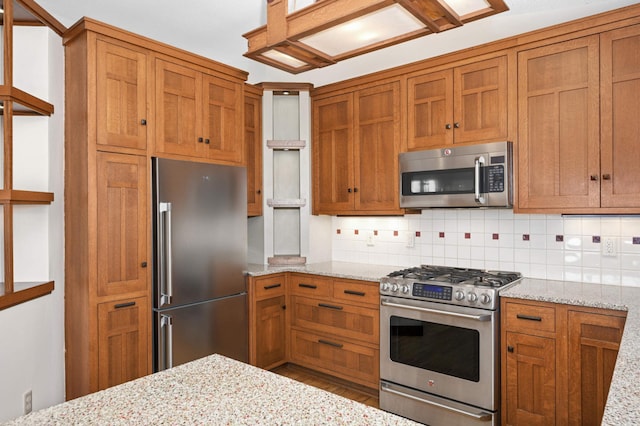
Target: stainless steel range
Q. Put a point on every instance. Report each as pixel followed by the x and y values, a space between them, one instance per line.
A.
pixel 440 344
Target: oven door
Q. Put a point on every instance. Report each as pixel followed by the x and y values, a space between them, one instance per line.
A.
pixel 446 350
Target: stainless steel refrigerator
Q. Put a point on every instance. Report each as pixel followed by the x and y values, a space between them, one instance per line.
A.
pixel 200 251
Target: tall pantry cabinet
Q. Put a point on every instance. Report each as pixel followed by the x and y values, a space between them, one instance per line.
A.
pixel 112 118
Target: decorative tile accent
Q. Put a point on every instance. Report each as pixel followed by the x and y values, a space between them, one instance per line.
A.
pixel 441 234
pixel 559 238
pixel 356 231
pixel 495 236
pixel 526 237
pixel 395 233
pixel 375 232
pixel 417 233
pixel 467 235
pixel 635 240
pixel 338 231
pixel 595 239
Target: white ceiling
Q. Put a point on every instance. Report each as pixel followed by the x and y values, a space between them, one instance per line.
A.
pixel 214 28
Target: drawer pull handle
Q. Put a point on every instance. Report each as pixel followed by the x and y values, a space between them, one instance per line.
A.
pixel 528 317
pixel 124 305
pixel 355 293
pixel 327 342
pixel 269 287
pixel 303 285
pixel 326 305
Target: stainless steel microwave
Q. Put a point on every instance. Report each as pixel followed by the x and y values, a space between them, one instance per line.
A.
pixel 458 176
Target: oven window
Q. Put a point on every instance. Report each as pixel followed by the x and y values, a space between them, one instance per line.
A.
pixel 445 349
pixel 438 182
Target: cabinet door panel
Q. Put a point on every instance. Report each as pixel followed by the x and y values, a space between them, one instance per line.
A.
pixel 123 335
pixel 480 101
pixel 594 341
pixel 178 105
pixel 333 154
pixel 121 90
pixel 559 131
pixel 531 383
pixel 430 99
pixel 253 153
pixel 122 223
pixel 620 111
pixel 271 331
pixel 222 119
pixel 376 149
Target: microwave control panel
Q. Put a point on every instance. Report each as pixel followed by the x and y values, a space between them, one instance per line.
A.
pixel 494 181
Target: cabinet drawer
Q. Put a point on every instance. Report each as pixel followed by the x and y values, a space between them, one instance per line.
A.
pixel 271 286
pixel 530 318
pixel 310 285
pixel 356 291
pixel 337 319
pixel 351 361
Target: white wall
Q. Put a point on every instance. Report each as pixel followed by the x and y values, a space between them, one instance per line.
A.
pixel 496 241
pixel 32 333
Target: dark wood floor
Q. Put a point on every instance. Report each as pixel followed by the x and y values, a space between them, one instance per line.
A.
pixel 330 384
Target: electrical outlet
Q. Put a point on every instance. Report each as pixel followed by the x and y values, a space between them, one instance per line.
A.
pixel 28 402
pixel 370 240
pixel 609 246
pixel 411 240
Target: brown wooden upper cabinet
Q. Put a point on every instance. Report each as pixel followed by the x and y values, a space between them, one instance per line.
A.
pixel 579 137
pixel 458 105
pixel 355 152
pixel 197 114
pixel 253 148
pixel 121 87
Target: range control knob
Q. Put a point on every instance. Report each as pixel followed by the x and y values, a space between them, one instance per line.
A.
pixel 459 295
pixel 394 288
pixel 404 289
pixel 485 299
pixel 472 297
pixel 384 286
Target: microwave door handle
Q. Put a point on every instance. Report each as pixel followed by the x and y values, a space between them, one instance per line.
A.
pixel 478 164
pixel 437 311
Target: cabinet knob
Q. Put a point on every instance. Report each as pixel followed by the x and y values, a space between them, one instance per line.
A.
pixel 258 192
pixel 144 264
pixel 284 307
pixel 207 141
pixel 349 190
pixel 456 125
pixel 447 126
pixel 510 349
pixel 143 122
pixel 606 176
pixel 200 140
pixel 355 189
pixel 593 177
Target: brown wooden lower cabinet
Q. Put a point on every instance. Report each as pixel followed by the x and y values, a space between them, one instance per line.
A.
pixel 123 335
pixel 557 362
pixel 329 325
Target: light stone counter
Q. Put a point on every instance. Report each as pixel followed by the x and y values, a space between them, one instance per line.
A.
pixel 212 391
pixel 623 403
pixel 356 271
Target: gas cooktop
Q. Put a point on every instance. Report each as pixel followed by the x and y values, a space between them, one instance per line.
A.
pixel 444 284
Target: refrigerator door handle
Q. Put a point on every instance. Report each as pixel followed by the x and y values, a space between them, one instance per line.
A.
pixel 166 351
pixel 166 283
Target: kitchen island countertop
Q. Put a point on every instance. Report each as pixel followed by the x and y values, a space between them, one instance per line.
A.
pixel 214 390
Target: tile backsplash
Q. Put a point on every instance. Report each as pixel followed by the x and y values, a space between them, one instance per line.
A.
pixel 596 249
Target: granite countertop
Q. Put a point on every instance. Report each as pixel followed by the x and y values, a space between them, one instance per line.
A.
pixel 355 271
pixel 215 391
pixel 623 403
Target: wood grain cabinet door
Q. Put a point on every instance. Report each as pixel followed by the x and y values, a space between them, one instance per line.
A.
pixel 333 180
pixel 430 110
pixel 377 143
pixel 253 152
pixel 594 341
pixel 178 109
pixel 558 134
pixel 123 336
pixel 620 109
pixel 531 380
pixel 271 332
pixel 222 119
pixel 121 224
pixel 480 101
pixel 121 90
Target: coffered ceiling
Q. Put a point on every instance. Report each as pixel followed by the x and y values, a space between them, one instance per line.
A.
pixel 214 28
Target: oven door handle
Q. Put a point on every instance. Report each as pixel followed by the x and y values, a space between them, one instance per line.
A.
pixel 437 311
pixel 478 416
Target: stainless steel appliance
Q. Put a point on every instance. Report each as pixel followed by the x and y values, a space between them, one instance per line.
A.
pixel 200 241
pixel 461 176
pixel 440 344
